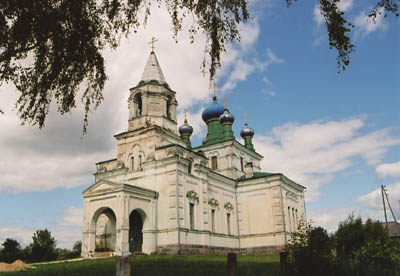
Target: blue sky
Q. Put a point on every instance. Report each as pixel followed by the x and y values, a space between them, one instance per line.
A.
pixel 336 134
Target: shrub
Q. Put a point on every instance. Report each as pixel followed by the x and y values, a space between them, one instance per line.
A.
pixel 310 252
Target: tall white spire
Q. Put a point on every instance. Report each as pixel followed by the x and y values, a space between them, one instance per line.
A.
pixel 153 71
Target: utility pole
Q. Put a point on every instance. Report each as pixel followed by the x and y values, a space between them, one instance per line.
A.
pixel 384 208
pixel 390 207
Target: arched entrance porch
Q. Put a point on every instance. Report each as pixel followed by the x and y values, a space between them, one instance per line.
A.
pixel 104 224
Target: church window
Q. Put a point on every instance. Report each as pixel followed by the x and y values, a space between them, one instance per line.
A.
pixel 140 162
pixel 138 105
pixel 190 167
pixel 297 220
pixel 132 163
pixel 214 163
pixel 191 214
pixel 228 221
pixel 213 220
pixel 241 164
pixel 290 222
pixel 294 222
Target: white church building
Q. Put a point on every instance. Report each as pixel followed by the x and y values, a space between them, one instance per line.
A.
pixel 161 195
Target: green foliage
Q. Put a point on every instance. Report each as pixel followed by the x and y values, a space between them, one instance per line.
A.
pixel 309 252
pixel 43 246
pixel 356 248
pixel 352 235
pixel 11 251
pixel 77 248
pixel 365 249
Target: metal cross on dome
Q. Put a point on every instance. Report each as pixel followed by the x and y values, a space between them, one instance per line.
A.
pixel 225 102
pixel 245 118
pixel 185 113
pixel 215 90
pixel 153 39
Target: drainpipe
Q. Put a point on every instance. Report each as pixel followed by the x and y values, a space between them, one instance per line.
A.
pixel 156 222
pixel 177 207
pixel 237 214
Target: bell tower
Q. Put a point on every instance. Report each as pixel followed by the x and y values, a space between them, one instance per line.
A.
pixel 152 101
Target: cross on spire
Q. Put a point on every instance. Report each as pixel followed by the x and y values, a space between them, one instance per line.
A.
pixel 153 39
pixel 245 118
pixel 185 113
pixel 225 102
pixel 215 90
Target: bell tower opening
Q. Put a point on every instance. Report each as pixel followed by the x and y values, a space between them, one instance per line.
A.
pixel 137 101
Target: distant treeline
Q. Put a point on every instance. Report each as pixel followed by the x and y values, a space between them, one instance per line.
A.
pixel 42 249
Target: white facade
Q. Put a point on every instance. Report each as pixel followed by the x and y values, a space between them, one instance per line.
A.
pixel 160 195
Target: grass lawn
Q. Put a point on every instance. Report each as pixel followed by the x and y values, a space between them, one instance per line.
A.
pixel 161 265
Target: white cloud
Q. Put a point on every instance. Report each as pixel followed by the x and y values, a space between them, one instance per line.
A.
pixel 273 58
pixel 73 216
pixel 243 66
pixel 329 219
pixel 66 233
pixel 345 5
pixel 366 25
pixel 311 154
pixel 317 15
pixel 390 170
pixel 373 200
pixel 22 235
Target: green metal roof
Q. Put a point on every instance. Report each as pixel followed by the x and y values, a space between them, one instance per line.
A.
pixel 257 175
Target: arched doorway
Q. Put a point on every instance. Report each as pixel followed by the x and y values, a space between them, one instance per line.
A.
pixel 105 227
pixel 135 231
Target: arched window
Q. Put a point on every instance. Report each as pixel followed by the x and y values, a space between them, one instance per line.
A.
pixel 213 220
pixel 214 163
pixel 191 214
pixel 168 107
pixel 138 105
pixel 294 222
pixel 140 162
pixel 289 219
pixel 132 163
pixel 228 221
pixel 242 164
pixel 190 167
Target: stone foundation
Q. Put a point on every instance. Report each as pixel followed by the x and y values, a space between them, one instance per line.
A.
pixel 193 249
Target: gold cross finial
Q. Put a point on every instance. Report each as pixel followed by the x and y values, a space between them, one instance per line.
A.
pixel 185 113
pixel 153 39
pixel 225 102
pixel 245 118
pixel 215 91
